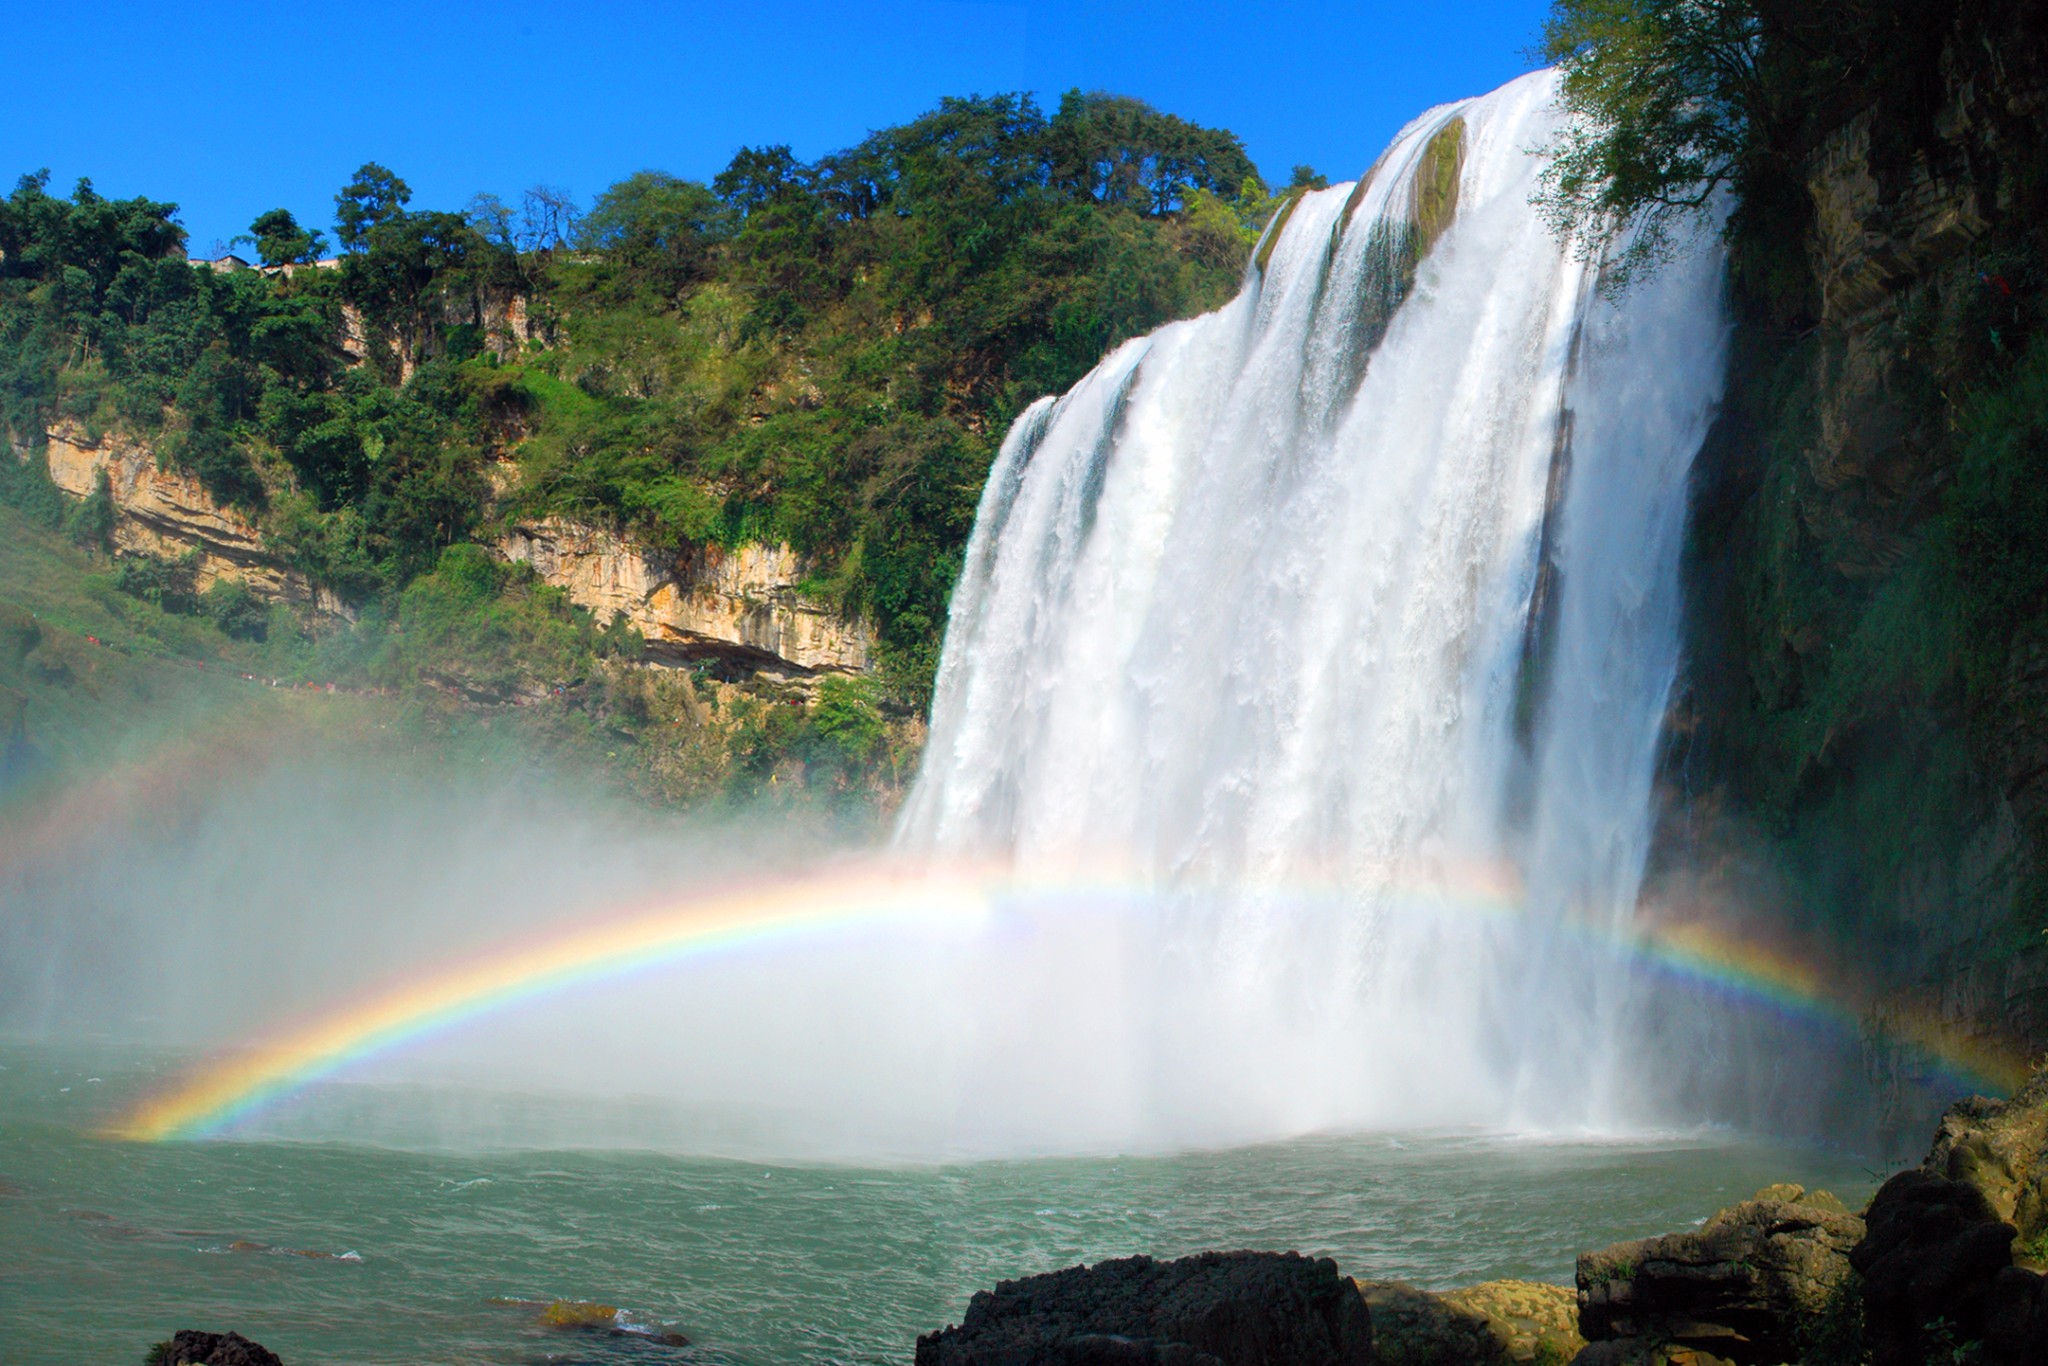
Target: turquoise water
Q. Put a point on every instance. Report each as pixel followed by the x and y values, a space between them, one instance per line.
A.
pixel 337 1253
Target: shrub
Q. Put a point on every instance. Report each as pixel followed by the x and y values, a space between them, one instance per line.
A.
pixel 846 718
pixel 165 583
pixel 239 613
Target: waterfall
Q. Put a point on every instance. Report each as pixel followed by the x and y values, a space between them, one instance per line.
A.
pixel 1343 620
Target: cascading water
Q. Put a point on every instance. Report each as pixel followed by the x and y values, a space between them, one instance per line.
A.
pixel 1366 582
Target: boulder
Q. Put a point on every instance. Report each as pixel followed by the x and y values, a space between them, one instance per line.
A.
pixel 2001 1148
pixel 2016 1329
pixel 1213 1309
pixel 1739 1289
pixel 1492 1324
pixel 1938 1262
pixel 190 1347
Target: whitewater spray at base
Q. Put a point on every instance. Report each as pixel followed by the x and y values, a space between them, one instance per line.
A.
pixel 1374 572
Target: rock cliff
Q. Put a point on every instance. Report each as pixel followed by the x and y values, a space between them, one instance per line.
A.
pixel 1843 762
pixel 166 512
pixel 742 605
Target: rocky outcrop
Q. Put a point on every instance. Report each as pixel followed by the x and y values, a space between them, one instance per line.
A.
pixel 741 605
pixel 1870 238
pixel 1492 1324
pixel 1738 1289
pixel 166 512
pixel 2000 1147
pixel 190 1347
pixel 1938 1263
pixel 1214 1309
pixel 1934 1250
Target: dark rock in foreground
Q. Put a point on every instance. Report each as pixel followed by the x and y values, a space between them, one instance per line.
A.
pixel 1938 1263
pixel 1739 1289
pixel 190 1347
pixel 1214 1309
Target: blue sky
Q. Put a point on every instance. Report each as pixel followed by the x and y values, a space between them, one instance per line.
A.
pixel 232 109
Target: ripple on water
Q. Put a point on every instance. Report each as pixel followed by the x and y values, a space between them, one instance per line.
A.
pixel 384 1257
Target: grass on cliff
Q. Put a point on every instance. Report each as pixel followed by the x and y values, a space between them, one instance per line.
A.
pixel 481 669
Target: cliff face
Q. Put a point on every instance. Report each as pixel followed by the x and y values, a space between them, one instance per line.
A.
pixel 741 606
pixel 1837 771
pixel 166 512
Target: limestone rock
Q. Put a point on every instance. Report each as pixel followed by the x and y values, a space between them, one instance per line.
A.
pixel 742 606
pixel 167 512
pixel 1942 1238
pixel 704 603
pixel 2001 1148
pixel 1934 1250
pixel 1736 1289
pixel 1213 1309
pixel 1491 1324
pixel 190 1347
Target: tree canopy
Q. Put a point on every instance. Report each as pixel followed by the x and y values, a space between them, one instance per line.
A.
pixel 822 353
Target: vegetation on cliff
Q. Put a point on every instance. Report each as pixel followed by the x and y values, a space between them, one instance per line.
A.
pixel 1867 571
pixel 824 354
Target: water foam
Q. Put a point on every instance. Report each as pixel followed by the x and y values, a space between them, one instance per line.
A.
pixel 1366 575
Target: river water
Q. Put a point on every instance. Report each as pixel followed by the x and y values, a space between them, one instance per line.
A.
pixel 339 1253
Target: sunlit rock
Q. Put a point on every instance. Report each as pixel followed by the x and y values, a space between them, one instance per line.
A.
pixel 1738 1289
pixel 1490 1324
pixel 743 604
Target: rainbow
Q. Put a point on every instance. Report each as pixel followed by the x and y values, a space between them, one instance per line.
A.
pixel 217 1095
pixel 1748 971
pixel 860 899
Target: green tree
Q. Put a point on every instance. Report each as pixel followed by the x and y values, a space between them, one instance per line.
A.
pixel 1665 101
pixel 373 199
pixel 657 224
pixel 846 718
pixel 492 217
pixel 92 521
pixel 239 613
pixel 279 240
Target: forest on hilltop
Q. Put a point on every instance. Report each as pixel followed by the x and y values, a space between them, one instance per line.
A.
pixel 824 354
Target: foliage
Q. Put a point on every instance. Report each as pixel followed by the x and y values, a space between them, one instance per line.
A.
pixel 492 627
pixel 375 198
pixel 1835 1335
pixel 279 240
pixel 161 582
pixel 1661 99
pixel 1998 507
pixel 239 613
pixel 91 523
pixel 845 717
pixel 820 353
